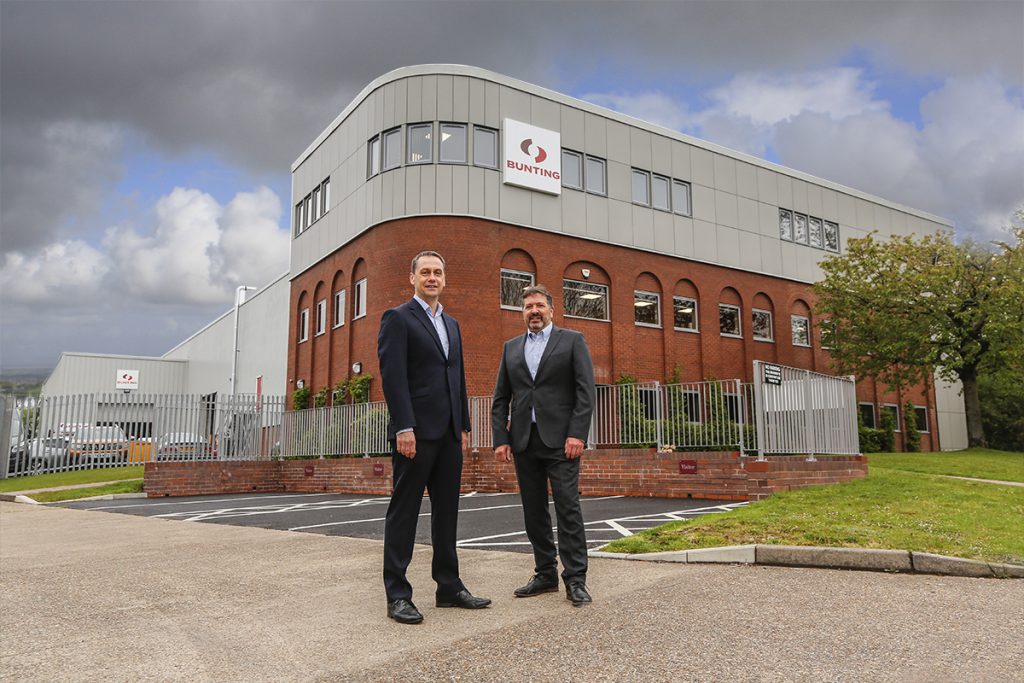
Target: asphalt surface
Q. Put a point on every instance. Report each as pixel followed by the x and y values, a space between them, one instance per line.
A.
pixel 492 521
pixel 94 596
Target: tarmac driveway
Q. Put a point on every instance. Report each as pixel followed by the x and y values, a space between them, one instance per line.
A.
pixel 490 521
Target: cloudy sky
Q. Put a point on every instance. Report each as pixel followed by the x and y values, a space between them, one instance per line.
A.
pixel 145 146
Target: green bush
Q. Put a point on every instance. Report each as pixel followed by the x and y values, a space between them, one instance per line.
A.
pixel 887 435
pixel 300 398
pixel 912 443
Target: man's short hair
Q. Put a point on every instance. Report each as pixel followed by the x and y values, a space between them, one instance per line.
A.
pixel 539 289
pixel 417 257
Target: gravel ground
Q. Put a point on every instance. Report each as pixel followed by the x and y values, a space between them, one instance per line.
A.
pixel 90 596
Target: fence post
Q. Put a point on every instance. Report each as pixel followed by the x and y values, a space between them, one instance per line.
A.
pixel 7 415
pixel 808 417
pixel 759 430
pixel 658 395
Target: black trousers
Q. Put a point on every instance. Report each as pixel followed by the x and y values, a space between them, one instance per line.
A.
pixel 534 469
pixel 437 467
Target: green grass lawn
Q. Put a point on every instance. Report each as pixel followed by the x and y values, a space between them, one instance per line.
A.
pixel 129 486
pixel 42 481
pixel 981 463
pixel 891 508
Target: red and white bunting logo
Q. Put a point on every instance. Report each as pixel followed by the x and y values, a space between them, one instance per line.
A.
pixel 533 157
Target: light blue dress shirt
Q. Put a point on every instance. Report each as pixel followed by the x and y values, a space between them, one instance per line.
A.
pixel 437 321
pixel 536 342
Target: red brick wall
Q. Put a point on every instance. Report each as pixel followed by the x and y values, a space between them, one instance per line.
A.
pixel 475 250
pixel 638 472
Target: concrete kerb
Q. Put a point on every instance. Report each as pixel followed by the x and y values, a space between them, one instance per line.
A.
pixel 861 559
pixel 28 500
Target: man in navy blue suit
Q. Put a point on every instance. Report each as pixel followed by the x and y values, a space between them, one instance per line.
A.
pixel 420 352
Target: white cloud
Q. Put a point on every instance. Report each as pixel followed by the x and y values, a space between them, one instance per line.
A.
pixel 61 273
pixel 653 107
pixel 251 249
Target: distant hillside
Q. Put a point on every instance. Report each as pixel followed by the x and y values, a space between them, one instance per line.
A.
pixel 23 381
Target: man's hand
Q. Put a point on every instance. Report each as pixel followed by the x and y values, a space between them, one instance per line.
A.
pixel 465 444
pixel 503 453
pixel 573 448
pixel 406 444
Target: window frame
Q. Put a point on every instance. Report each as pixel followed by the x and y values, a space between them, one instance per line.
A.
pixel 339 308
pixel 326 195
pixel 646 175
pixel 373 160
pixel 874 414
pixel 895 407
pixel 603 163
pixel 321 317
pixel 668 192
pixel 385 137
pixel 640 294
pixel 793 317
pixel 440 143
pixel 579 167
pixel 307 209
pixel 825 226
pixel 926 429
pixel 785 228
pixel 796 222
pixel 410 130
pixel 813 221
pixel 826 329
pixel 686 396
pixel 510 271
pixel 494 146
pixel 299 228
pixel 696 316
pixel 565 306
pixel 771 325
pixel 359 299
pixel 304 325
pixel 739 321
pixel 688 193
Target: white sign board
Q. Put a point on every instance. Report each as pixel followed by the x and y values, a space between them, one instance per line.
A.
pixel 533 157
pixel 127 379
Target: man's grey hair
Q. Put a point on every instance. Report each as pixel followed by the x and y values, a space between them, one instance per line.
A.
pixel 417 257
pixel 539 289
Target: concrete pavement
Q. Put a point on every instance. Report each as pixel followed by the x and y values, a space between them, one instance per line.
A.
pixel 97 596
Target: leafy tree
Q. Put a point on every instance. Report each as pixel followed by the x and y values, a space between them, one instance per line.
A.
pixel 912 434
pixel 1002 409
pixel 907 307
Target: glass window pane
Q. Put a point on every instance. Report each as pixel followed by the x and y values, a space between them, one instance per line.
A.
pixel 327 195
pixel 729 319
pixel 867 414
pixel 307 211
pixel 685 313
pixel 786 225
pixel 392 149
pixel 596 176
pixel 762 325
pixel 800 228
pixel 681 197
pixel 585 300
pixel 921 417
pixel 453 143
pixel 572 169
pixel 801 330
pixel 339 308
pixel 814 237
pixel 831 236
pixel 317 206
pixel 659 192
pixel 298 218
pixel 646 308
pixel 512 283
pixel 373 157
pixel 641 184
pixel 485 147
pixel 421 145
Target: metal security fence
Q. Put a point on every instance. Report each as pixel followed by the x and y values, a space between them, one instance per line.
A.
pixel 357 429
pixel 799 411
pixel 89 431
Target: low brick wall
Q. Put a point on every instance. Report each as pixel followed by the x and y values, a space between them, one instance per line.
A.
pixel 637 472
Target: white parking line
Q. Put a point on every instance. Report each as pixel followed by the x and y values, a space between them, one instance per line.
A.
pixel 277 496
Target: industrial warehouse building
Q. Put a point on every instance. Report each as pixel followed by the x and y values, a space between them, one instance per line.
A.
pixel 678 259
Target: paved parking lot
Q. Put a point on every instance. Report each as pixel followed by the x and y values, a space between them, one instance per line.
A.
pixel 490 521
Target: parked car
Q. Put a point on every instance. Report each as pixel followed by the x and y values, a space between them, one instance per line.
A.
pixel 47 453
pixel 106 444
pixel 184 446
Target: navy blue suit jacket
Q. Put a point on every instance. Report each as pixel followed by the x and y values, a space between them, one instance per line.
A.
pixel 423 389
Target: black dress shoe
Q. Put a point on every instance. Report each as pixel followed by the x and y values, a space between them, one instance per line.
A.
pixel 535 586
pixel 404 612
pixel 463 599
pixel 576 591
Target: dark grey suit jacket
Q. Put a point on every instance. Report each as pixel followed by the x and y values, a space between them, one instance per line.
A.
pixel 562 393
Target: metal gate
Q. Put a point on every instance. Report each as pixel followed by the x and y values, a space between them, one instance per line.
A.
pixel 799 411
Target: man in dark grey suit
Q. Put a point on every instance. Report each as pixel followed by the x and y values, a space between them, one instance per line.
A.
pixel 420 352
pixel 547 377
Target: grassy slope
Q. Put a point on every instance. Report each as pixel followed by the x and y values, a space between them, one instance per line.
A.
pixel 42 481
pixel 129 486
pixel 981 463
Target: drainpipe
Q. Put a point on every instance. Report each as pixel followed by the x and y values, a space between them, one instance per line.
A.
pixel 239 296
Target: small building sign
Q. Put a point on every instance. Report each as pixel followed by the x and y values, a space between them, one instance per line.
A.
pixel 533 157
pixel 127 379
pixel 378 469
pixel 772 374
pixel 308 470
pixel 687 467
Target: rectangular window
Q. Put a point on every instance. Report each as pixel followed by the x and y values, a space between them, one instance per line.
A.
pixel 317 204
pixel 373 157
pixel 684 310
pixel 641 187
pixel 681 197
pixel 831 236
pixel 511 285
pixel 298 219
pixel 327 195
pixel 339 308
pixel 800 228
pixel 585 300
pixel 307 210
pixel 785 225
pixel 814 237
pixel 321 316
pixel 359 309
pixel 647 309
pixel 453 143
pixel 659 193
pixel 421 143
pixel 572 169
pixel 867 414
pixel 827 332
pixel 761 322
pixel 304 325
pixel 691 405
pixel 729 320
pixel 596 176
pixel 921 416
pixel 392 149
pixel 801 330
pixel 893 410
pixel 485 147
